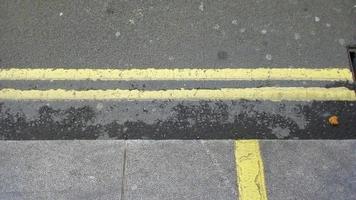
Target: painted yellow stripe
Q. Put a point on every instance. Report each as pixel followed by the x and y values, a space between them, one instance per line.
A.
pixel 250 171
pixel 267 93
pixel 327 74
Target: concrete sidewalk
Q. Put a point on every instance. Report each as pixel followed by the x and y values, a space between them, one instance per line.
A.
pixel 174 169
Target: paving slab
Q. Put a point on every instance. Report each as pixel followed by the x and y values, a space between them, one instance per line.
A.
pixel 61 169
pixel 180 170
pixel 310 169
pixel 174 169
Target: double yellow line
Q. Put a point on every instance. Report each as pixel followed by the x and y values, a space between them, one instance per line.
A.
pixel 151 74
pixel 249 163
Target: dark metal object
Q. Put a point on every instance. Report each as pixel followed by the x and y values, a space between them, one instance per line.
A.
pixel 351 51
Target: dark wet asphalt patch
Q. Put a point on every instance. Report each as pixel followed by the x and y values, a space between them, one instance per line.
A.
pixel 176 120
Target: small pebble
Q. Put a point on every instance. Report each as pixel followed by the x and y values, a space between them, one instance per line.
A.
pixel 296 36
pixel 341 41
pixel 201 6
pixel 268 56
pixel 216 27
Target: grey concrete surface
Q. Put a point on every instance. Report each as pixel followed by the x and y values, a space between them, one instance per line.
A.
pixel 309 170
pixel 176 169
pixel 61 169
pixel 93 170
pixel 180 170
pixel 212 33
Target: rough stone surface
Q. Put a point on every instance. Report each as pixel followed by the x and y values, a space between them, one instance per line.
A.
pixel 61 169
pixel 310 169
pixel 180 170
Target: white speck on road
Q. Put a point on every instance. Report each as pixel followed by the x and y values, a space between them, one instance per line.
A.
pixel 268 56
pixel 328 25
pixel 99 106
pixel 242 30
pixel 138 12
pixel 134 187
pixel 281 132
pixel 341 41
pixel 297 36
pixel 216 27
pixel 234 22
pixel 171 58
pixel 60 14
pixel 132 21
pixel 117 34
pixel 317 19
pixel 264 31
pixel 92 178
pixel 201 6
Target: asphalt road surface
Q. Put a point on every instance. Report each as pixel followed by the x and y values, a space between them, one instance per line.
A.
pixel 198 76
pixel 172 35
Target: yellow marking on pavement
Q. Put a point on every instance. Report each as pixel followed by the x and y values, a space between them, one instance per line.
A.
pixel 250 170
pixel 326 74
pixel 264 93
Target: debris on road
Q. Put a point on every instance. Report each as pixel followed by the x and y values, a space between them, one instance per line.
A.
pixel 334 120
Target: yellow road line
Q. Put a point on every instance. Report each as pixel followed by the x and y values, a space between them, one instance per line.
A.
pixel 250 171
pixel 266 93
pixel 326 74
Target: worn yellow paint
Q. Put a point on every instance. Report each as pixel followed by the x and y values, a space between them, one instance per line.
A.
pixel 264 93
pixel 326 74
pixel 250 170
